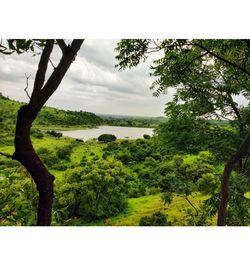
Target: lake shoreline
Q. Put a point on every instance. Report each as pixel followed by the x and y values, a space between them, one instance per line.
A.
pixel 121 132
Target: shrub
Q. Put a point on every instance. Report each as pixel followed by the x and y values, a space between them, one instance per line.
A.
pixel 106 138
pixel 125 157
pixel 98 190
pixel 54 134
pixel 48 157
pixel 36 133
pixel 156 219
pixel 64 152
pixel 146 136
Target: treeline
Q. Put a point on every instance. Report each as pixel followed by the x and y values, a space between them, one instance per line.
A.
pixel 52 116
pixel 133 121
pixel 48 115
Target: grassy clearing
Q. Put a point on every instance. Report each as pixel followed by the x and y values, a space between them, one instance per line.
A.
pixel 144 206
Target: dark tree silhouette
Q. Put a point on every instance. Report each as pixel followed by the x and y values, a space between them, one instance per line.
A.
pixel 42 91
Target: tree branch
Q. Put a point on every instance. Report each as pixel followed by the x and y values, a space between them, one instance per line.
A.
pixel 27 85
pixel 196 58
pixel 62 45
pixel 57 75
pixel 216 55
pixel 186 197
pixel 7 155
pixel 42 68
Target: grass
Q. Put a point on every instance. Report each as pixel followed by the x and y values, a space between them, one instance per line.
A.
pixel 144 206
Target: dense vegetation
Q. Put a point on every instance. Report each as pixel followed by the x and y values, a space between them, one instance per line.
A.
pixel 149 181
pixel 49 116
pixel 55 118
pixel 202 163
pixel 132 121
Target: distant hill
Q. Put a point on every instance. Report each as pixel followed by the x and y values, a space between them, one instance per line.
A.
pixel 48 116
pixel 132 121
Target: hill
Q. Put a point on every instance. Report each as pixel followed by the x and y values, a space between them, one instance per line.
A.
pixel 48 116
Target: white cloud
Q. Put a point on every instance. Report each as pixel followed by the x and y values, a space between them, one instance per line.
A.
pixel 92 83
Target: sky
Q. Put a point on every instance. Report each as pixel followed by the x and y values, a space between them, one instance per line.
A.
pixel 91 84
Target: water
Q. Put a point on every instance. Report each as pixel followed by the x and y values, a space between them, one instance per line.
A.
pixel 119 132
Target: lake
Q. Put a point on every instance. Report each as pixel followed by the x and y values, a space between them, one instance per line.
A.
pixel 118 131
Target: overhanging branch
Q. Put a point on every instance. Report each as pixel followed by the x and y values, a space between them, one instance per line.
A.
pixel 7 155
pixel 216 55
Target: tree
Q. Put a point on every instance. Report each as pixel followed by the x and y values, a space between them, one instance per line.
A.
pixel 42 91
pixel 206 75
pixel 98 190
pixel 106 138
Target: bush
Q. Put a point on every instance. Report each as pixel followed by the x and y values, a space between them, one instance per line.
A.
pixel 48 157
pixel 125 157
pixel 36 133
pixel 79 140
pixel 64 152
pixel 54 134
pixel 146 136
pixel 106 138
pixel 156 219
pixel 99 190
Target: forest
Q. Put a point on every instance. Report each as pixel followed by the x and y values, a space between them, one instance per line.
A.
pixel 194 170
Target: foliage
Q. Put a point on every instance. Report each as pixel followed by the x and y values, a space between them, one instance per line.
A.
pixel 98 190
pixel 17 198
pixel 64 152
pixel 156 219
pixel 54 134
pixel 106 138
pixel 48 116
pixel 48 157
pixel 146 136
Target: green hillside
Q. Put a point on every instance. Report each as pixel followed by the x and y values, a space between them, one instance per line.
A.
pixel 49 116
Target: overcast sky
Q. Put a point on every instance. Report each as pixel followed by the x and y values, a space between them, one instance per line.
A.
pixel 91 84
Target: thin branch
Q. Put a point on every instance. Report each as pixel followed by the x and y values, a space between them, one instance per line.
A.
pixel 186 197
pixel 52 64
pixel 194 59
pixel 7 155
pixel 216 55
pixel 27 85
pixel 62 45
pixel 42 68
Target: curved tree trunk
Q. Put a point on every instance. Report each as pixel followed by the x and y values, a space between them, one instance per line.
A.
pixel 24 151
pixel 236 157
pixel 26 155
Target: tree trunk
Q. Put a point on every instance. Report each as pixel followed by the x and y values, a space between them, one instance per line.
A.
pixel 26 155
pixel 236 157
pixel 24 151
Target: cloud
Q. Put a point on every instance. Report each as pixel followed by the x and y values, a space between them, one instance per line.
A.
pixel 92 83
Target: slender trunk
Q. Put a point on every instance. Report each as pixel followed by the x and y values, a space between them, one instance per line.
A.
pixel 186 197
pixel 26 155
pixel 236 157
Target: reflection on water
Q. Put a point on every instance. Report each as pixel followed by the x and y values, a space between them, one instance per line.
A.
pixel 119 132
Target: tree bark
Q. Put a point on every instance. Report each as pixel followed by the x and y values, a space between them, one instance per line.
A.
pixel 237 156
pixel 26 155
